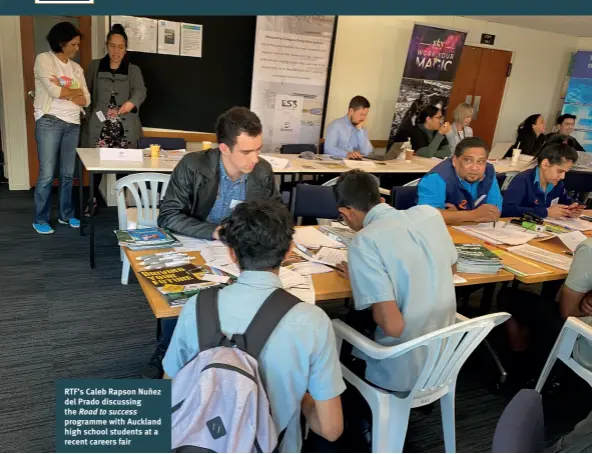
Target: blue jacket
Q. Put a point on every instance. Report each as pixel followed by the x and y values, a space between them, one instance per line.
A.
pixel 525 194
pixel 456 194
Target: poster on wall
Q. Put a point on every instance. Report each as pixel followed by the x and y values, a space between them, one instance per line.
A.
pixel 141 32
pixel 289 77
pixel 578 98
pixel 169 37
pixel 432 60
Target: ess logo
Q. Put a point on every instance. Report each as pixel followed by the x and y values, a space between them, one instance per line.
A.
pixel 463 204
pixel 290 103
pixel 64 2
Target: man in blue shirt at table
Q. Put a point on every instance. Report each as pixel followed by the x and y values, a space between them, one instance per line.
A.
pixel 464 187
pixel 346 136
pixel 401 265
pixel 299 363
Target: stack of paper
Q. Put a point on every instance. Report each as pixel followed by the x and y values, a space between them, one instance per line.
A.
pixel 298 285
pixel 312 238
pixel 276 163
pixel 571 223
pixel 149 238
pixel 540 255
pixel 502 233
pixel 477 259
pixel 196 244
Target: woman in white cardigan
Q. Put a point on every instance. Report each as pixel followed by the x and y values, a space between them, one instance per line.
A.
pixel 461 119
pixel 60 95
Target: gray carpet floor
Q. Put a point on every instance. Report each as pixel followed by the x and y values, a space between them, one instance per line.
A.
pixel 60 319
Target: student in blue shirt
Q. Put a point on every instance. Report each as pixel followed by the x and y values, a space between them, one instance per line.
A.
pixel 400 264
pixel 464 188
pixel 540 190
pixel 346 136
pixel 299 363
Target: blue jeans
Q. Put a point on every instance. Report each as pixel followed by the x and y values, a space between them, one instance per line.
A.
pixel 55 138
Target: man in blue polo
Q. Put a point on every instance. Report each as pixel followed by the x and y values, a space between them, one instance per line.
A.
pixel 464 187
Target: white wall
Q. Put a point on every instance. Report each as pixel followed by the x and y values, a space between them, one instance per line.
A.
pixel 584 44
pixel 370 55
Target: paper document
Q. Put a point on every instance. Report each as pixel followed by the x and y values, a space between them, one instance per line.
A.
pixel 191 40
pixel 291 278
pixel 276 163
pixel 458 280
pixel 215 278
pixel 562 262
pixel 308 268
pixel 572 239
pixel 353 164
pixel 140 31
pixel 314 239
pixel 305 292
pixel 169 37
pixel 498 234
pixel 331 256
pixel 216 253
pixel 196 244
pixel 571 223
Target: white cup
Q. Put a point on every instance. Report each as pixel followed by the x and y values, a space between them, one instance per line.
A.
pixel 516 156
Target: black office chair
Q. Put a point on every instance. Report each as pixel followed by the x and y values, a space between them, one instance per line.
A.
pixel 166 143
pixel 521 427
pixel 578 183
pixel 297 148
pixel 501 177
pixel 403 197
pixel 309 201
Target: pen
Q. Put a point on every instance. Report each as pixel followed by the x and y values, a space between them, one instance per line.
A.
pixel 166 265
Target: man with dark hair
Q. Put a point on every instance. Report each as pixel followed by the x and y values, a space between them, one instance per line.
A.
pixel 428 136
pixel 299 363
pixel 566 124
pixel 540 190
pixel 464 188
pixel 390 259
pixel 206 186
pixel 346 136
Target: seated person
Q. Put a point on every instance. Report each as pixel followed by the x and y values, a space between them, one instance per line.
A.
pixel 390 259
pixel 299 363
pixel 566 124
pixel 540 190
pixel 530 136
pixel 428 136
pixel 460 129
pixel 464 188
pixel 346 136
pixel 206 186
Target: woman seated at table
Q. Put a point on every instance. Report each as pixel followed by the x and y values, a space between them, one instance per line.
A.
pixel 531 137
pixel 461 119
pixel 540 190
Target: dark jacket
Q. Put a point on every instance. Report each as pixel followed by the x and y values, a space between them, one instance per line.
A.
pixel 428 144
pixel 529 144
pixel 193 189
pixel 127 84
pixel 524 195
pixel 455 193
pixel 571 141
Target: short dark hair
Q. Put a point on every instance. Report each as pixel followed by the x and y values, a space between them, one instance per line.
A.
pixel 470 142
pixel 557 153
pixel 260 234
pixel 562 118
pixel 357 189
pixel 359 102
pixel 429 111
pixel 61 34
pixel 117 29
pixel 234 122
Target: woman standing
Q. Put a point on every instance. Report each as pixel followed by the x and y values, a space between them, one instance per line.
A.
pixel 461 119
pixel 531 137
pixel 117 90
pixel 60 95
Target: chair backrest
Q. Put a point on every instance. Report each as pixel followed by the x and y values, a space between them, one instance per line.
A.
pixel 508 177
pixel 314 201
pixel 403 197
pixel 413 183
pixel 144 188
pixel 297 148
pixel 521 427
pixel 166 143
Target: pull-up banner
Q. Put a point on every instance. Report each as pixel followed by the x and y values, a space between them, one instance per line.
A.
pixel 432 60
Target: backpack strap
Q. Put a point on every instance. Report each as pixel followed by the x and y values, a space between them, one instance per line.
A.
pixel 265 321
pixel 208 321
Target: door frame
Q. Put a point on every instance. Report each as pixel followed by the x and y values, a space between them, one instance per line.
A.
pixel 28 56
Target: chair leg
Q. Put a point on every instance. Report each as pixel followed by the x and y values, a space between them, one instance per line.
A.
pixel 390 420
pixel 125 270
pixel 448 420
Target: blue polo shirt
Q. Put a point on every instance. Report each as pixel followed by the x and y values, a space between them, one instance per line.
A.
pixel 299 356
pixel 230 193
pixel 432 190
pixel 406 257
pixel 343 137
pixel 525 194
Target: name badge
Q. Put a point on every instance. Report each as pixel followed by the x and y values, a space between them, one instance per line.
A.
pixel 554 201
pixel 101 116
pixel 480 199
pixel 234 203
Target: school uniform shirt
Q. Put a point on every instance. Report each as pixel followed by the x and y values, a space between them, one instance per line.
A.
pixel 442 185
pixel 406 257
pixel 299 356
pixel 525 194
pixel 579 280
pixel 343 138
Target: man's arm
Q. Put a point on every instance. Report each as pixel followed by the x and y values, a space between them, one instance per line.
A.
pixel 365 144
pixel 177 204
pixel 387 315
pixel 332 140
pixel 325 417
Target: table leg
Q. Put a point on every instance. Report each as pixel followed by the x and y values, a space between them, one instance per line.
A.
pixel 487 298
pixel 81 196
pixel 91 194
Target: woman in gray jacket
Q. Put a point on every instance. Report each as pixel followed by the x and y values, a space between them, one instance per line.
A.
pixel 117 90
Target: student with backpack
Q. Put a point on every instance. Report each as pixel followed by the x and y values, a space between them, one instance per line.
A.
pixel 237 347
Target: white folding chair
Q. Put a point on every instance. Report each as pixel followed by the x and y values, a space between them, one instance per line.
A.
pixel 563 349
pixel 447 351
pixel 413 183
pixel 145 212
